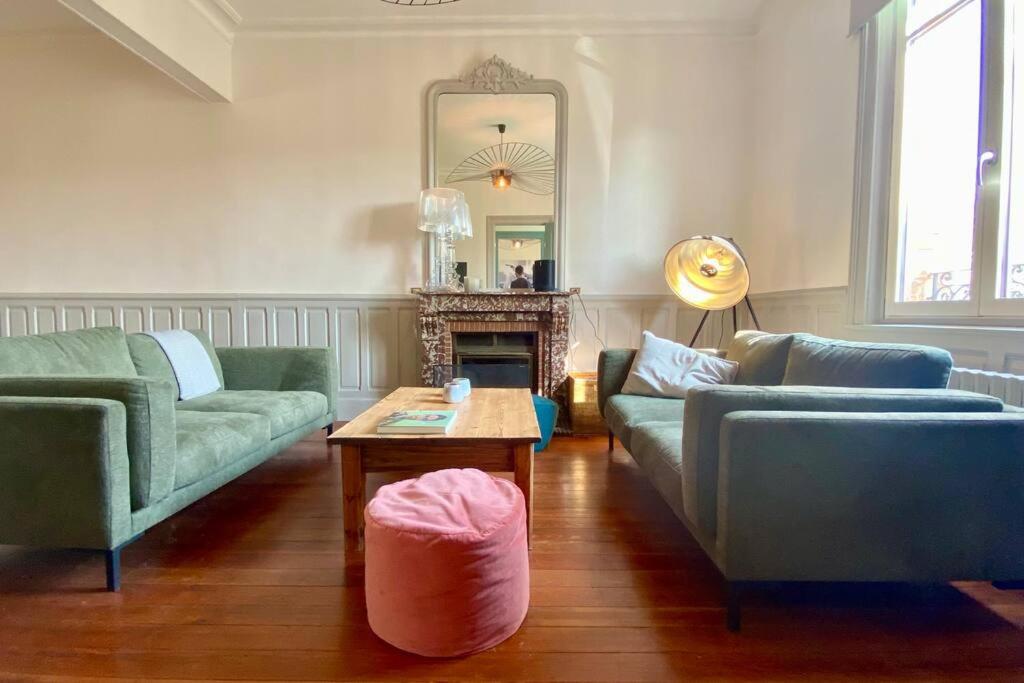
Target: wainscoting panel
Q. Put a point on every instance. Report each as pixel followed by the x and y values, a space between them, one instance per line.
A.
pixel 376 343
pixel 350 348
pixel 373 338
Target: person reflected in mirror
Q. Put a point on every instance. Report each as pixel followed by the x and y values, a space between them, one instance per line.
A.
pixel 520 281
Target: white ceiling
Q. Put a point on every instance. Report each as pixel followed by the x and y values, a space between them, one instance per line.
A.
pixel 375 16
pixel 18 16
pixel 258 11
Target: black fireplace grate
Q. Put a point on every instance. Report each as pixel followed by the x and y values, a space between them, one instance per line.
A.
pixel 481 373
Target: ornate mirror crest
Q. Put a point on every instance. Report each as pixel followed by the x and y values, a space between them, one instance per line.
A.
pixel 496 75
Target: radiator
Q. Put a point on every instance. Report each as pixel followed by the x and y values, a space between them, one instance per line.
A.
pixel 1008 388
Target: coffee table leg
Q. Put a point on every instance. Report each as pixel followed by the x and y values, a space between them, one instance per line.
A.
pixel 523 457
pixel 353 488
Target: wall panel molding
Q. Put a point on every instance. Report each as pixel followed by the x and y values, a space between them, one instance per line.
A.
pixel 340 322
pixel 375 340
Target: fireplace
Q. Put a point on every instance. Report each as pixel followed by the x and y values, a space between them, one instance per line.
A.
pixel 506 327
pixel 497 359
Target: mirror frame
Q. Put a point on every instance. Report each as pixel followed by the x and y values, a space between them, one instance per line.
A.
pixel 497 77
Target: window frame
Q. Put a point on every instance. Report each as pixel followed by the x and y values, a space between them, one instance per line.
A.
pixel 983 307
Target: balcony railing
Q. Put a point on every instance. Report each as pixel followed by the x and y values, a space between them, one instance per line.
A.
pixel 955 285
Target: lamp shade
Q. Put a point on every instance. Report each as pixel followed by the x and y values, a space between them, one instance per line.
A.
pixel 707 272
pixel 463 229
pixel 440 209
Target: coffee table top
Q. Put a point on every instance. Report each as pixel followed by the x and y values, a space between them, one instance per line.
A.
pixel 487 415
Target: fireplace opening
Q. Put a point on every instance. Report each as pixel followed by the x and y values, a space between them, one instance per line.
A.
pixel 495 359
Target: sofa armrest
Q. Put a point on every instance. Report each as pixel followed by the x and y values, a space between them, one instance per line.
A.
pixel 871 496
pixel 64 472
pixel 612 369
pixel 282 369
pixel 150 423
pixel 707 406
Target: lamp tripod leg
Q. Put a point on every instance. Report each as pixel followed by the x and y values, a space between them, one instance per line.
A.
pixel 753 316
pixel 696 334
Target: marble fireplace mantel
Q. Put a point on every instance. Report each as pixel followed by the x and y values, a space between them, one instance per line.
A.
pixel 441 315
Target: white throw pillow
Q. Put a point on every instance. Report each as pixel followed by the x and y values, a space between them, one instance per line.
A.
pixel 666 369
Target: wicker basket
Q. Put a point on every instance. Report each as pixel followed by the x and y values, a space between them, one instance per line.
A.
pixel 583 411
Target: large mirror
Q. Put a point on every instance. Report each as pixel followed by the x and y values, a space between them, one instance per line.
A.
pixel 498 135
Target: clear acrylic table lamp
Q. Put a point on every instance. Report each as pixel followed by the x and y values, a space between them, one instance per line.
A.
pixel 445 214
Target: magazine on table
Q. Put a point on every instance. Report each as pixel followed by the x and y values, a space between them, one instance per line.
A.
pixel 418 422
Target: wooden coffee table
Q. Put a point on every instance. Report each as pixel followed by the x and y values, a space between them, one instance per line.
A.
pixel 495 431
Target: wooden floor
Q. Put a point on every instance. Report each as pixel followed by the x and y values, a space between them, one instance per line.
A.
pixel 251 583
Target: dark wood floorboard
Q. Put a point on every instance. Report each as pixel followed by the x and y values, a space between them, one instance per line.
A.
pixel 251 583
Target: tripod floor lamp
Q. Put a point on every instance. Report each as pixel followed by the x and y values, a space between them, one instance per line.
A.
pixel 710 273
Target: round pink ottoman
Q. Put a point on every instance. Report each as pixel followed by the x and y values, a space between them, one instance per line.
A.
pixel 447 570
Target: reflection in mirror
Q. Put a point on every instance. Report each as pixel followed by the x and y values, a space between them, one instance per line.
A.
pixel 500 150
pixel 513 244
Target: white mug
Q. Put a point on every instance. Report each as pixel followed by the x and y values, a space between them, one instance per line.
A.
pixel 453 392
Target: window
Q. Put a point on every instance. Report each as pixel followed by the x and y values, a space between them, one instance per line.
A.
pixel 955 246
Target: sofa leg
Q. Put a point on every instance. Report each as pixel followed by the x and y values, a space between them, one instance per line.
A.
pixel 113 558
pixel 611 441
pixel 733 614
pixel 113 561
pixel 329 429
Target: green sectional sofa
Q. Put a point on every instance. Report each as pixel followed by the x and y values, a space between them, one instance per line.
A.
pixel 832 461
pixel 95 446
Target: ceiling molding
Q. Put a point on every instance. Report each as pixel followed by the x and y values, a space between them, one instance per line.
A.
pixel 220 15
pixel 491 25
pixel 126 33
pixel 228 9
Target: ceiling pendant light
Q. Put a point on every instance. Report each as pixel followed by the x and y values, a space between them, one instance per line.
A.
pixel 531 167
pixel 501 179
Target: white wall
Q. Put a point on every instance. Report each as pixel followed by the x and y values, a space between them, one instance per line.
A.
pixel 118 181
pixel 797 235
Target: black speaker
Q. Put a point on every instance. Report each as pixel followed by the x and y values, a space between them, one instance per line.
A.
pixel 544 275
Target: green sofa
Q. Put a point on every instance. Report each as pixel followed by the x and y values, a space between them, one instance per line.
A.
pixel 95 446
pixel 831 460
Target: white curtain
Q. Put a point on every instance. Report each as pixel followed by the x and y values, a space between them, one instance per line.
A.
pixel 862 11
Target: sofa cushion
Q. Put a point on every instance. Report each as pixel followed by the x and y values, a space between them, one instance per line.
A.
pixel 209 441
pixel 658 449
pixel 625 412
pixel 815 361
pixel 151 361
pixel 286 410
pixel 762 357
pixel 97 352
pixel 665 369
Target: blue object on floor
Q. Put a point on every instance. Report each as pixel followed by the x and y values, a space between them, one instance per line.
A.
pixel 547 416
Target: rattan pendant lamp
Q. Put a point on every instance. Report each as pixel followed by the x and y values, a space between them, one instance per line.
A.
pixel 710 273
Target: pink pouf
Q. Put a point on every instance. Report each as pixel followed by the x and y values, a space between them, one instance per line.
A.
pixel 447 570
